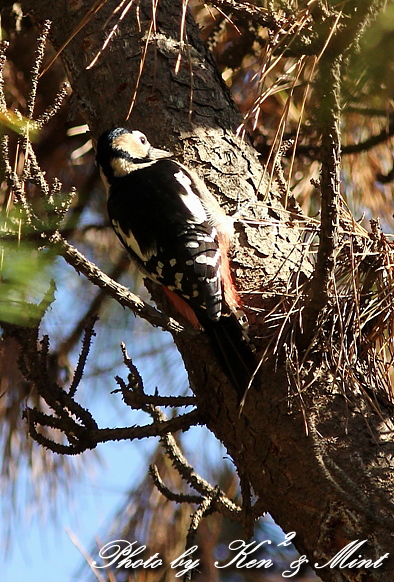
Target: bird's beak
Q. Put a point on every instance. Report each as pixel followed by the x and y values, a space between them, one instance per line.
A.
pixel 156 154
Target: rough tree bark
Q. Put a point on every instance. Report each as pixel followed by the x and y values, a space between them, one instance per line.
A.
pixel 323 470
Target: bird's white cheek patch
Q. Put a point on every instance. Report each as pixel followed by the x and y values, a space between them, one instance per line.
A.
pixel 190 199
pixel 121 167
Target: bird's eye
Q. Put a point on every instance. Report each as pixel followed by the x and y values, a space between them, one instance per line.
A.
pixel 143 139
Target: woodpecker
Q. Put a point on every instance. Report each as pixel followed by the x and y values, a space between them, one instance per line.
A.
pixel 178 236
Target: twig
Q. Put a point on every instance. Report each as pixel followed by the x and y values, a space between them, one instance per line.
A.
pixel 136 400
pixel 222 503
pixel 54 107
pixel 41 42
pixel 186 471
pixel 15 184
pixel 87 341
pixel 386 178
pixel 82 438
pixel 315 152
pixel 74 421
pixel 3 105
pixel 170 495
pixel 201 511
pixel 134 394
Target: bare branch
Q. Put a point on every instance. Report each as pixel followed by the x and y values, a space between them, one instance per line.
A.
pixel 82 438
pixel 372 141
pixel 87 340
pixel 222 503
pixel 386 178
pixel 186 471
pixel 41 42
pixel 201 511
pixel 170 495
pixel 54 107
pixel 15 184
pixel 137 401
pixel 328 91
pixel 71 419
pixel 3 105
pixel 315 153
pixel 329 119
pixel 122 295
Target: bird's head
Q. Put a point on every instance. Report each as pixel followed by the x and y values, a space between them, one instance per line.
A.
pixel 120 151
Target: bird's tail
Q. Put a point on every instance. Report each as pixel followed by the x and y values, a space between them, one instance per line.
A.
pixel 232 349
pixel 228 339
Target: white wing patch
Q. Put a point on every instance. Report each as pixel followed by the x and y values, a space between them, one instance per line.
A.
pixel 192 244
pixel 131 242
pixel 190 199
pixel 178 280
pixel 205 260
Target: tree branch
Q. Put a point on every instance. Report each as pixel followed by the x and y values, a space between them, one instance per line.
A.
pixel 86 343
pixel 122 294
pixel 315 152
pixel 372 141
pixel 328 90
pixel 170 495
pixel 329 120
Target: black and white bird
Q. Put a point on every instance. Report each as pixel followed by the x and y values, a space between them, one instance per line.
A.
pixel 177 234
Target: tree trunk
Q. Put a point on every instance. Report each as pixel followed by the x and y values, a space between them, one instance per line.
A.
pixel 321 461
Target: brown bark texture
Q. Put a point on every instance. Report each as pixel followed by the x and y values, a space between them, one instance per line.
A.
pixel 321 462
